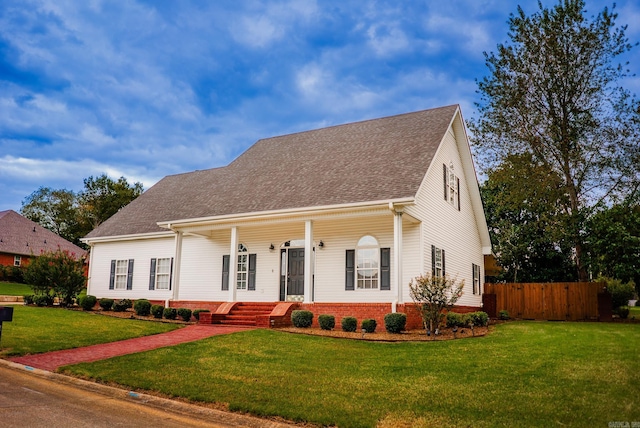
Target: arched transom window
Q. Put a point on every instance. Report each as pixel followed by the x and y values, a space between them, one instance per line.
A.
pixel 367 263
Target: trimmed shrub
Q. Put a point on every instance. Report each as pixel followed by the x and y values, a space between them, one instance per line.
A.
pixel 503 314
pixel 349 324
pixel 369 325
pixel 301 318
pixel 157 311
pixel 622 312
pixel 122 305
pixel 43 300
pixel 395 322
pixel 185 314
pixel 327 322
pixel 170 313
pixel 28 299
pixel 105 304
pixel 479 319
pixel 142 307
pixel 620 293
pixel 455 319
pixel 196 313
pixel 87 302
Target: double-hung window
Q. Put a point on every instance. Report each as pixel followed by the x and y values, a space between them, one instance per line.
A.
pixel 437 261
pixel 451 185
pixel 245 270
pixel 476 279
pixel 243 267
pixel 160 274
pixel 368 263
pixel 121 277
pixel 17 260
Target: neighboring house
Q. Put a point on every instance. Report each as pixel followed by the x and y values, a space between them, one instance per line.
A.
pixel 21 239
pixel 336 220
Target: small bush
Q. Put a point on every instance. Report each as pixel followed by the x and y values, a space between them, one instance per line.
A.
pixel 122 305
pixel 369 325
pixel 43 300
pixel 479 319
pixel 349 324
pixel 87 302
pixel 302 318
pixel 105 304
pixel 503 314
pixel 157 311
pixel 622 312
pixel 142 307
pixel 185 314
pixel 620 293
pixel 455 319
pixel 196 313
pixel 170 313
pixel 327 322
pixel 28 299
pixel 395 322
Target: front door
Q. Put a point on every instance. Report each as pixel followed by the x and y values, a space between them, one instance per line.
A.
pixel 292 274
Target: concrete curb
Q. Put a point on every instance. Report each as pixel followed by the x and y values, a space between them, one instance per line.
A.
pixel 198 412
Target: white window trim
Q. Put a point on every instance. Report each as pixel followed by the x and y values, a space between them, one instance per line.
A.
pixel 452 187
pixel 242 271
pixel 376 278
pixel 438 262
pixel 17 261
pixel 121 285
pixel 160 274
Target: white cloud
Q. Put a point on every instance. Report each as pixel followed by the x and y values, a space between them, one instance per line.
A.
pixel 387 39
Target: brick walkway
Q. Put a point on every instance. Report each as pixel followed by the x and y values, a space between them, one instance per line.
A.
pixel 52 360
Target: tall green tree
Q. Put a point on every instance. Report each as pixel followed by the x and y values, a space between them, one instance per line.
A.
pixel 554 92
pixel 524 204
pixel 613 242
pixel 53 209
pixel 72 215
pixel 102 197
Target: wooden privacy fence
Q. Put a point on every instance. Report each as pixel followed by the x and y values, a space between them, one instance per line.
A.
pixel 570 301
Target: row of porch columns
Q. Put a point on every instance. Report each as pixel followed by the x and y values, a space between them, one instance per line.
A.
pixel 308 265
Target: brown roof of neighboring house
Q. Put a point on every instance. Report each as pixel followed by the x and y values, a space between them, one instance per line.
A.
pixel 23 237
pixel 374 160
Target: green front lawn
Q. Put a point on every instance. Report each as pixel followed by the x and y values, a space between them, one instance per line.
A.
pixel 523 374
pixel 14 289
pixel 634 311
pixel 34 330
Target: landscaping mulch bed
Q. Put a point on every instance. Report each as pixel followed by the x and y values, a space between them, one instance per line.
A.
pixel 383 336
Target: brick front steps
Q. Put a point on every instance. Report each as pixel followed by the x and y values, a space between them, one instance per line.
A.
pixel 251 314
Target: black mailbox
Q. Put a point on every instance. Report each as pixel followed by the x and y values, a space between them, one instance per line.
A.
pixel 6 313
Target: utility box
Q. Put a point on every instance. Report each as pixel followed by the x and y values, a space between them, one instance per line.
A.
pixel 6 313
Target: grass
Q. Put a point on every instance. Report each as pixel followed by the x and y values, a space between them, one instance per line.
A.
pixel 34 330
pixel 634 311
pixel 523 374
pixel 14 289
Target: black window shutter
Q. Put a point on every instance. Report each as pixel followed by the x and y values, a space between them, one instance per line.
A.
pixel 251 284
pixel 225 272
pixel 171 274
pixel 458 187
pixel 473 277
pixel 350 272
pixel 130 275
pixel 152 275
pixel 444 180
pixel 112 277
pixel 433 260
pixel 443 268
pixel 385 268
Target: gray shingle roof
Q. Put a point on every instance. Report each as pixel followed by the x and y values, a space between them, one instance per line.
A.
pixel 23 237
pixel 374 160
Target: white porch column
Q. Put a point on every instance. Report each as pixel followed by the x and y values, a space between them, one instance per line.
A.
pixel 397 253
pixel 308 254
pixel 233 264
pixel 177 261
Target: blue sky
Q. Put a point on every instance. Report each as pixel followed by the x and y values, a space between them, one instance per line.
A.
pixel 146 88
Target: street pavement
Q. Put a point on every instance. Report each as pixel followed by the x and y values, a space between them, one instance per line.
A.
pixel 36 398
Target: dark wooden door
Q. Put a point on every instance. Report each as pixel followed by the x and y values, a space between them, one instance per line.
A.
pixel 296 272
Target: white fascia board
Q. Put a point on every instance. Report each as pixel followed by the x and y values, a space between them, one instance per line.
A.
pixel 136 237
pixel 275 214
